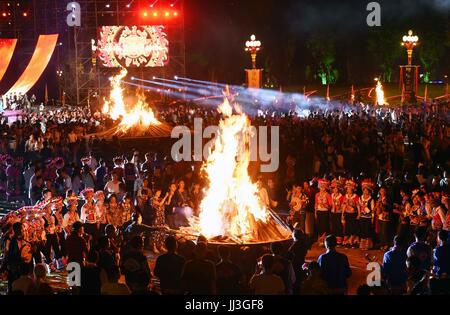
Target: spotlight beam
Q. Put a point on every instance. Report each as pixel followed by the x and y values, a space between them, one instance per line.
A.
pixel 209 92
pixel 201 89
pixel 174 93
pixel 198 81
pixel 212 85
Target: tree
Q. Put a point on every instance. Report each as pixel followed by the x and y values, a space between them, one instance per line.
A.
pixel 432 48
pixel 290 52
pixel 322 49
pixel 384 45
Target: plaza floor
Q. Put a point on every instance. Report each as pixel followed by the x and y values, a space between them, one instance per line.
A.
pixel 358 260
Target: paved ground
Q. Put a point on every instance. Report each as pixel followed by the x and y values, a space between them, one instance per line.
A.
pixel 358 263
pixel 357 258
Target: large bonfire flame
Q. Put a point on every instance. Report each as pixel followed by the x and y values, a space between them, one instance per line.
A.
pixel 231 209
pixel 139 116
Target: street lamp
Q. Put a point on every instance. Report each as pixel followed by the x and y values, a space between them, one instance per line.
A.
pixel 410 41
pixel 253 46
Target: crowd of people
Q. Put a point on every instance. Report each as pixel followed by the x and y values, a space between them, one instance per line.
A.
pixel 347 179
pixel 17 101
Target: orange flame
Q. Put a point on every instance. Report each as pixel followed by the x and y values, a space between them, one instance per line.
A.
pixel 140 115
pixel 231 206
pixel 380 94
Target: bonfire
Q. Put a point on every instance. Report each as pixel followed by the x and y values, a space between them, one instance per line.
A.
pixel 231 210
pixel 380 94
pixel 137 119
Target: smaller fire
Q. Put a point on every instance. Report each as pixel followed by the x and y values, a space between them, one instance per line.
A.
pixel 380 94
pixel 139 116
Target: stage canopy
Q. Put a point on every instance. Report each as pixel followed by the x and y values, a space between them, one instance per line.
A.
pixel 41 57
pixel 7 46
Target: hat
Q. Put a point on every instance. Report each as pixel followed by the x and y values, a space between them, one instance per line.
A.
pixel 350 183
pixel 323 183
pixel 337 183
pixel 367 184
pixel 84 193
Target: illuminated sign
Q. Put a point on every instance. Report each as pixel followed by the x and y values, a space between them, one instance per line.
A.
pixel 133 46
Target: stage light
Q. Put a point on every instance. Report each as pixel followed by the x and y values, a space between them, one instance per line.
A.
pixel 107 6
pixel 25 14
pixel 172 5
pixel 155 14
pixel 4 14
pixel 167 14
pixel 154 78
pixel 145 13
pixel 175 13
pixel 175 77
pixel 132 78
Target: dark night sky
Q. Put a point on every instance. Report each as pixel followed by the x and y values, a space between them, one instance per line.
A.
pixel 216 31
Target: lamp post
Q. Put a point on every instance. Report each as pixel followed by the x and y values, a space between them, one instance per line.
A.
pixel 253 46
pixel 409 42
pixel 94 52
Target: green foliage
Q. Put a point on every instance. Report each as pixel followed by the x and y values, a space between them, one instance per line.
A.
pixel 384 45
pixel 431 48
pixel 322 49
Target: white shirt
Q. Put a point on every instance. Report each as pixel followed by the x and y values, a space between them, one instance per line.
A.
pixel 112 188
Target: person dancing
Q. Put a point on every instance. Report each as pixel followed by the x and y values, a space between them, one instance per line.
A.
pixel 350 215
pixel 323 204
pixel 366 215
pixel 337 199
